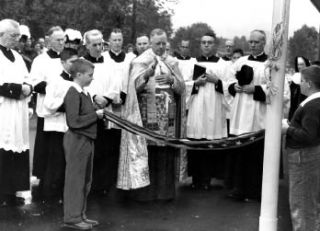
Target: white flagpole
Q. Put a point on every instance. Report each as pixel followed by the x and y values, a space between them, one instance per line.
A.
pixel 278 52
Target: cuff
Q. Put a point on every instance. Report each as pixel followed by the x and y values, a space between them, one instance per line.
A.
pixel 219 86
pixel 40 87
pixel 195 89
pixel 259 94
pixel 123 97
pixel 11 90
pixel 231 89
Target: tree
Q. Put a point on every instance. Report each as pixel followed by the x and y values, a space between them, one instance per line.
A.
pixel 192 33
pixel 304 42
pixel 241 42
pixel 84 15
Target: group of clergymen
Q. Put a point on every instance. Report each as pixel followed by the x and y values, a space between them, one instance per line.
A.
pixel 150 88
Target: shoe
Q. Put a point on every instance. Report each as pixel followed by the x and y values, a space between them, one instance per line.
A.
pixel 80 226
pixel 91 222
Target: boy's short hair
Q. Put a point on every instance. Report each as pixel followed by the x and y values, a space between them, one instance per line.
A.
pixel 67 53
pixel 80 66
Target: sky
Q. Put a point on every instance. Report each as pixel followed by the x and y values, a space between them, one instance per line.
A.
pixel 229 18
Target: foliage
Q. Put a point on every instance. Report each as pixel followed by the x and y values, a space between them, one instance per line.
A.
pixel 83 15
pixel 241 42
pixel 192 33
pixel 304 42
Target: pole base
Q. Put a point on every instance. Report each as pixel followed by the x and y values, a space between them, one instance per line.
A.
pixel 268 224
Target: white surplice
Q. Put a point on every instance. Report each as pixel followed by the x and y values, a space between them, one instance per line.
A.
pixel 247 114
pixel 207 109
pixel 14 114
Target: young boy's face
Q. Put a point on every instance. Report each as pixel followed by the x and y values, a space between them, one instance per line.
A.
pixel 67 64
pixel 86 77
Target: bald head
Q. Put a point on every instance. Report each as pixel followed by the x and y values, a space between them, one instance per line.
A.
pixel 257 42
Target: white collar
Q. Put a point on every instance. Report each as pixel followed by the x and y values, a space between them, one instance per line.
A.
pixel 79 89
pixel 256 56
pixel 116 53
pixel 296 78
pixel 311 97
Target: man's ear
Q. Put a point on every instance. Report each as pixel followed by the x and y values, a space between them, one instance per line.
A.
pixel 78 74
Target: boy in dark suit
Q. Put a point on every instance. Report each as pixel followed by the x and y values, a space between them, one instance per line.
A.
pixel 78 145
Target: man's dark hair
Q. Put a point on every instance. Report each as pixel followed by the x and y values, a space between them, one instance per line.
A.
pixel 238 50
pixel 116 31
pixel 142 35
pixel 210 34
pixel 67 53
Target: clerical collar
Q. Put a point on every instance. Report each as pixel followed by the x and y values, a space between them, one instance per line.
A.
pixel 211 58
pixel 53 54
pixel 94 59
pixel 118 58
pixel 259 58
pixel 66 76
pixel 7 53
pixel 180 57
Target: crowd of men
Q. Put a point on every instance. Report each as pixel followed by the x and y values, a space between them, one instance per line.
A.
pixel 148 87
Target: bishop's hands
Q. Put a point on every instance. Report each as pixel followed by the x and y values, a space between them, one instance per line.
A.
pixel 150 70
pixel 164 79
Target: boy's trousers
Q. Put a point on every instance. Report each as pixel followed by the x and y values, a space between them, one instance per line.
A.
pixel 79 158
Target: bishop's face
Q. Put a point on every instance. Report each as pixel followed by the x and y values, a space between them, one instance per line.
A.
pixel 95 46
pixel 158 44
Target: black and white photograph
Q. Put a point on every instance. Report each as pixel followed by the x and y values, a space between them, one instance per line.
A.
pixel 160 115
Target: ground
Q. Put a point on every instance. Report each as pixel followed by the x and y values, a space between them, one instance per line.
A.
pixel 191 211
